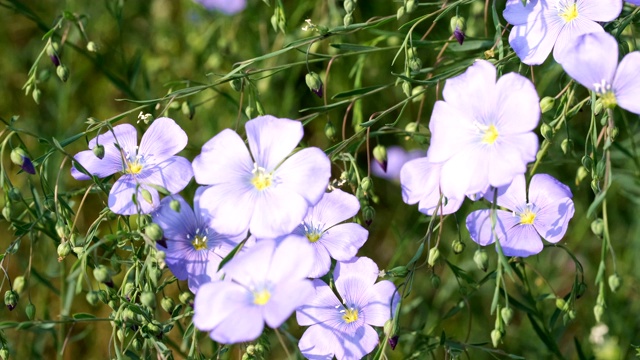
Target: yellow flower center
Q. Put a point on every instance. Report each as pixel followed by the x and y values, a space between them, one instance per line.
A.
pixel 261 297
pixel 134 167
pixel 490 135
pixel 527 217
pixel 199 242
pixel 350 315
pixel 261 179
pixel 569 13
pixel 313 236
pixel 609 100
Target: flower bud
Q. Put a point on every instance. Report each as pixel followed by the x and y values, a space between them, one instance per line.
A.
pixel 561 304
pixel 167 304
pixel 188 110
pixel 400 13
pixel 566 146
pixel 435 281
pixel 52 48
pixel 98 151
pixel 614 282
pixel 366 184
pixel 36 95
pixel 587 162
pixel 102 275
pixel 581 174
pixel 175 206
pixel 92 298
pixel 154 276
pixel 21 158
pixel 547 103
pixel 18 284
pixel 62 72
pixel 380 155
pixel 546 131
pixel 415 64
pixel 434 254
pixel 186 298
pixel 507 314
pixel 30 311
pixel 148 299
pixel 237 84
pixel 349 6
pixel 458 246
pixel 598 311
pixel 598 108
pixel 146 195
pixel 411 6
pixel 314 83
pixel 582 288
pixel 459 35
pixel 330 131
pixel 4 353
pixel 457 27
pixel 406 88
pixel 368 213
pixel 496 335
pixel 398 271
pixel 63 250
pixel 597 227
pixel 154 231
pixel 92 47
pixel 347 20
pixel 481 259
pixel 11 299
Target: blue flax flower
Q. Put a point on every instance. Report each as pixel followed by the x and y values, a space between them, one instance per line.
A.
pixel 545 213
pixel 267 191
pixel 264 284
pixel 329 237
pixel 193 249
pixel 396 158
pixel 545 24
pixel 153 163
pixel 344 327
pixel 593 62
pixel 228 7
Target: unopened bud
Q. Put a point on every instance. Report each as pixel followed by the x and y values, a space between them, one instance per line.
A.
pixel 459 35
pixel 314 83
pixel 581 174
pixel 62 72
pixel 561 304
pixel 598 311
pixel 30 311
pixel 18 155
pixel 92 47
pixel 52 48
pixel 546 131
pixel 415 64
pixel 400 13
pixel 148 299
pixel 102 275
pixel 237 84
pixel 411 6
pixel 6 212
pixel 4 353
pixel 481 259
pixel 18 284
pixel 614 282
pixel 598 108
pixel 547 103
pixel 434 254
pixel 597 227
pixel 188 110
pixel 435 281
pixel 566 146
pixel 457 22
pixel 347 20
pixel 186 298
pixel 175 205
pixel 507 314
pixel 496 335
pixel 154 231
pixel 587 162
pixel 380 155
pixel 366 184
pixel 349 6
pixel 146 195
pixel 458 246
pixel 36 95
pixel 98 151
pixel 92 298
pixel 330 131
pixel 11 299
pixel 167 304
pixel 63 250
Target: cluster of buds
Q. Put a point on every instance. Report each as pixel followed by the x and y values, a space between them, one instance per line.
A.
pixel 278 19
pixel 408 7
pixel 349 7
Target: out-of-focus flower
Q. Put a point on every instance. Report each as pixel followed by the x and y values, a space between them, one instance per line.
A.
pixel 228 7
pixel 193 250
pixel 153 163
pixel 593 62
pixel 544 213
pixel 545 24
pixel 482 133
pixel 329 238
pixel 396 158
pixel 267 191
pixel 264 284
pixel 344 329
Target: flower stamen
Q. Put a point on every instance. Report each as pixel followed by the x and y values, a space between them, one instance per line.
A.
pixel 569 13
pixel 261 178
pixel 261 297
pixel 350 315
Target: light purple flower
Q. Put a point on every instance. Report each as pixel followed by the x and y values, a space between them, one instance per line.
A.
pixel 396 157
pixel 193 249
pixel 545 212
pixel 329 238
pixel 420 180
pixel 228 7
pixel 264 284
pixel 266 191
pixel 344 329
pixel 153 163
pixel 544 23
pixel 634 2
pixel 593 62
pixel 481 133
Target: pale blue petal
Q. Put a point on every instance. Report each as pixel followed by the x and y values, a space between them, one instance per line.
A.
pixel 591 59
pixel 378 308
pixel 396 158
pixel 333 208
pixel 343 241
pixel 272 139
pixel 357 344
pixel 419 178
pixel 291 259
pixel 533 41
pixel 452 130
pixel 110 164
pixel 216 301
pixel 173 174
pixel 321 261
pixel 318 343
pixel 229 207
pixel 121 197
pixel 228 7
pixel 276 212
pixel 224 159
pixel 517 14
pixel 521 240
pixel 570 32
pixel 552 220
pixel 599 10
pixel 163 139
pixel 626 84
pixel 545 189
pixel 306 173
pixel 472 92
pixel 479 225
pixel 252 267
pixel 322 307
pixel 353 278
pixel 287 295
pixel 244 325
pixel 518 109
pixel 466 172
pixel 176 225
pixel 512 196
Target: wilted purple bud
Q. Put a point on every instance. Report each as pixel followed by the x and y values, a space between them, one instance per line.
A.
pixel 20 158
pixel 55 60
pixel 393 342
pixel 457 27
pixel 459 35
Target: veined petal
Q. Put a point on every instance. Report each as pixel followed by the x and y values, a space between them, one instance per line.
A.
pixel 552 220
pixel 176 225
pixel 276 212
pixel 306 173
pixel 626 84
pixel 333 208
pixel 591 59
pixel 545 189
pixel 357 344
pixel 124 135
pixel 465 173
pixel 431 205
pixel 163 139
pixel 110 164
pixel 570 32
pixel 202 268
pixel 344 240
pixel 321 261
pixel 517 14
pixel 518 105
pixel 285 298
pixel 472 92
pixel 229 207
pixel 121 197
pixel 506 160
pixel 216 301
pixel 354 277
pixel 253 265
pixel 533 40
pixel 319 308
pixel 291 259
pixel 272 139
pixel 318 343
pixel 521 240
pixel 479 225
pixel 380 299
pixel 512 196
pixel 600 10
pixel 174 174
pixel 419 178
pixel 245 325
pixel 452 129
pixel 224 159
